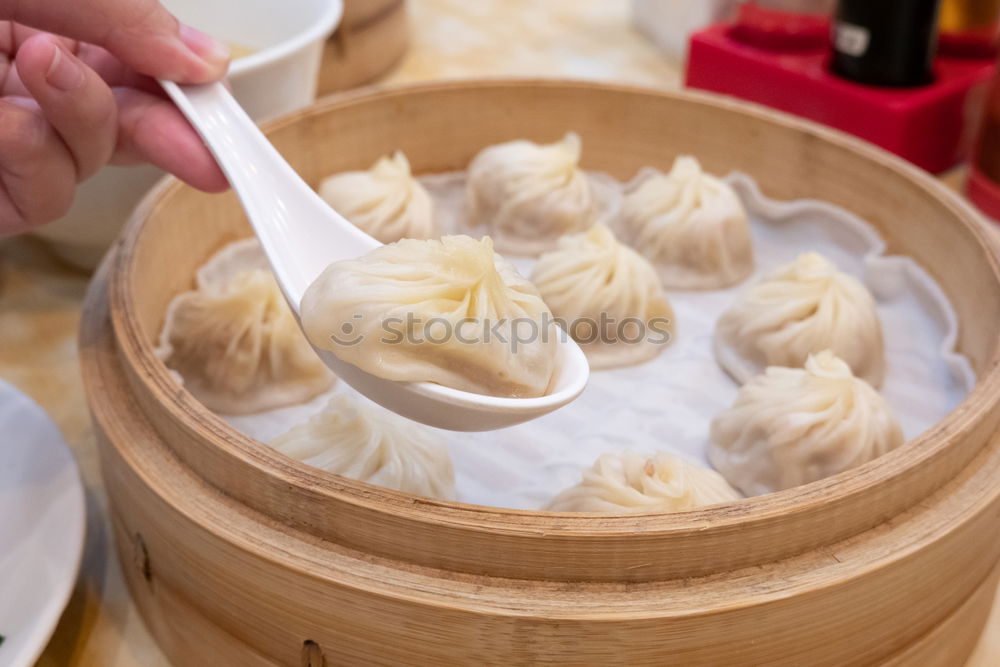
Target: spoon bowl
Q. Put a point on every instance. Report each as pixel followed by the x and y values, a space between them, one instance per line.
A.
pixel 301 236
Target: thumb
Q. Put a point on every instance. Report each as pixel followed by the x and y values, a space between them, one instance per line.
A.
pixel 140 33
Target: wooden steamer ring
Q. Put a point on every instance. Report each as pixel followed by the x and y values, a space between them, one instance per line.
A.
pixel 238 555
pixel 372 38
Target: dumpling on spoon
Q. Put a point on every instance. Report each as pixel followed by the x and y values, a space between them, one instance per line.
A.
pixel 528 194
pixel 385 202
pixel 235 342
pixel 449 311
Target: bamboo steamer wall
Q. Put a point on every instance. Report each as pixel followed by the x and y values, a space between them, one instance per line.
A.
pixel 241 556
pixel 372 37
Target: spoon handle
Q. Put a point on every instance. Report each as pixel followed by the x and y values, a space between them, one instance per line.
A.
pixel 276 199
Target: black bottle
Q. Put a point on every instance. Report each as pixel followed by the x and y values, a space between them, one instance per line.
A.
pixel 885 42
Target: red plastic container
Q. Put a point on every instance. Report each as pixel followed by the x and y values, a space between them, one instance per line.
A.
pixel 928 125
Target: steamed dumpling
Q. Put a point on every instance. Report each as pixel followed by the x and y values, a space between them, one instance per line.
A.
pixel 385 202
pixel 359 440
pixel 801 308
pixel 602 289
pixel 628 482
pixel 234 341
pixel 690 225
pixel 449 311
pixel 530 194
pixel 792 426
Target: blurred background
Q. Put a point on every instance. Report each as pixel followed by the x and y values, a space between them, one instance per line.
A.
pixel 912 76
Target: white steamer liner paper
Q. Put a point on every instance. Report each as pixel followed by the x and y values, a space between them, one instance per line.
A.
pixel 667 403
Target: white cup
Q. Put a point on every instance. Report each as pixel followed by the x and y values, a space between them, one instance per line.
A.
pixel 279 76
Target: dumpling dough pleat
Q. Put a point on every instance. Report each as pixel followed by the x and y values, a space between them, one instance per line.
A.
pixel 628 482
pixel 530 194
pixel 234 341
pixel 609 297
pixel 792 426
pixel 359 440
pixel 801 308
pixel 690 225
pixel 385 202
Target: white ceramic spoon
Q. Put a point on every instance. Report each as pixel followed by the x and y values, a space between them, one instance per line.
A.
pixel 302 235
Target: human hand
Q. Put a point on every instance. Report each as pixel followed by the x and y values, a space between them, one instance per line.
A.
pixel 69 107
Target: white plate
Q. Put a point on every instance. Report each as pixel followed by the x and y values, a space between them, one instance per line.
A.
pixel 42 519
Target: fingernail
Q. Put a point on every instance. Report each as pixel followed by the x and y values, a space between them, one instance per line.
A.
pixel 206 47
pixel 64 73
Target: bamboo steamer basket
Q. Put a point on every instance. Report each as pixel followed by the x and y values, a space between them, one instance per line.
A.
pixel 372 38
pixel 237 555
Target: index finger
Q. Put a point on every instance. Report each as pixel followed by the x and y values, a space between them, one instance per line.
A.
pixel 141 33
